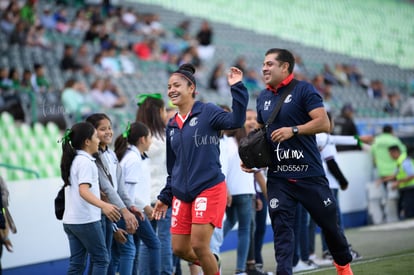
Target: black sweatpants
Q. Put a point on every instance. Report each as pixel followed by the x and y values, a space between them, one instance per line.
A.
pixel 314 194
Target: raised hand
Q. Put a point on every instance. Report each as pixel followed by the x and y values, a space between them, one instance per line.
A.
pixel 234 75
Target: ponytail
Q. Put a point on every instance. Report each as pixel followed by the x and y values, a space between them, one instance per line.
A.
pixel 121 145
pixel 74 139
pixel 131 135
pixel 68 155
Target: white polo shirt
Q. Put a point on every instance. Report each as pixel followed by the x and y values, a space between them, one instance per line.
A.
pixel 137 177
pixel 238 182
pixel 78 210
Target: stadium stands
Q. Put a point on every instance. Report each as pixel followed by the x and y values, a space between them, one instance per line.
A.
pixel 377 38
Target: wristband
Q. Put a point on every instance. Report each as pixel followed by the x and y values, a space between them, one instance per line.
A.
pixel 359 142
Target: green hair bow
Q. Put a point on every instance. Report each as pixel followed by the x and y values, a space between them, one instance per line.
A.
pixel 66 138
pixel 142 97
pixel 127 131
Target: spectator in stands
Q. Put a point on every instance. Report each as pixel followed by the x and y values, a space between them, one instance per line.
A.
pixel 340 74
pixel 254 83
pixel 28 12
pixel 345 126
pixel 147 49
pixel 318 81
pixel 68 61
pixel 218 80
pixel 182 30
pixel 97 68
pixel 150 25
pixel 80 24
pixel 110 62
pixel 76 100
pixel 241 63
pixel 19 34
pixel 5 81
pixel 62 21
pixel 93 33
pixel 407 107
pixel 129 18
pixel 113 21
pixel 376 89
pixel 104 97
pixel 354 74
pixel 190 55
pixel 38 80
pixel 9 93
pixel 36 37
pixel 328 75
pixel 25 83
pixel 83 59
pixel 9 17
pixel 300 71
pixel 391 107
pixel 125 58
pixel 204 37
pixel 47 19
pixel 172 63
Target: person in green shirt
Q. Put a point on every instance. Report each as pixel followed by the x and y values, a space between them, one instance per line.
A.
pixel 384 164
pixel 385 167
pixel 28 12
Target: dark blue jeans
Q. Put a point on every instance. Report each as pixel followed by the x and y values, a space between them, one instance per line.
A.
pixel 162 229
pixel 240 211
pixel 147 236
pixel 84 239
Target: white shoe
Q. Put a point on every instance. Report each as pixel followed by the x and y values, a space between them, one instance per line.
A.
pixel 318 261
pixel 302 266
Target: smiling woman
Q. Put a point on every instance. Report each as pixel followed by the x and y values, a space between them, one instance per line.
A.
pixel 192 135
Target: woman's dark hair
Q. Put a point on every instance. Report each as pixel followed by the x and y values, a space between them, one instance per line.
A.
pixel 96 118
pixel 187 70
pixel 131 136
pixel 149 114
pixel 283 56
pixel 74 140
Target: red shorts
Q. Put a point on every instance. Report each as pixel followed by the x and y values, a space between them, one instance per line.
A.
pixel 208 207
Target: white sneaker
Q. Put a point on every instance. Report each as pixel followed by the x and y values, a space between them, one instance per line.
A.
pixel 318 261
pixel 302 266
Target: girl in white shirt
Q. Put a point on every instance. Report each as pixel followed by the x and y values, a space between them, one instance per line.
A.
pixel 130 148
pixel 83 206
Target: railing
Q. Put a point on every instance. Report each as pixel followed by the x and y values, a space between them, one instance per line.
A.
pixel 24 169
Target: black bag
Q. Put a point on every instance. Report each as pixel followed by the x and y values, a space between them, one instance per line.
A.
pixel 60 203
pixel 255 150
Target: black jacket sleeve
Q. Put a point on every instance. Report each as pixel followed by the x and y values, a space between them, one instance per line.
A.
pixel 337 173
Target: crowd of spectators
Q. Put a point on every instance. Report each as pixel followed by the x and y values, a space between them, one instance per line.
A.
pixel 102 54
